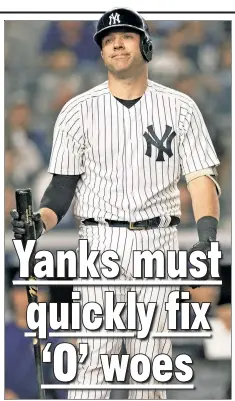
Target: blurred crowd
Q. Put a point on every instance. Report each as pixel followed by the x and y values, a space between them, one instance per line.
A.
pixel 49 62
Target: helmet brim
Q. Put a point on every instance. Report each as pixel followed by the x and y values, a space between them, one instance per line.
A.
pixel 102 33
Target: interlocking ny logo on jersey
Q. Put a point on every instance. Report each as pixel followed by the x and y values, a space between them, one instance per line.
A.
pixel 114 19
pixel 153 140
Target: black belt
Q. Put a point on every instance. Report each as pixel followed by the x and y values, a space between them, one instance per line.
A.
pixel 137 225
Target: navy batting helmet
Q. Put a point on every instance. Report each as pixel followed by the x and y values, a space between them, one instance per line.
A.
pixel 121 18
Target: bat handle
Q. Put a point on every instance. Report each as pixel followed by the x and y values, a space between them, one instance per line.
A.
pixel 25 209
pixel 22 203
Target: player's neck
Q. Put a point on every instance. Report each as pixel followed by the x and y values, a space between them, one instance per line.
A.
pixel 128 88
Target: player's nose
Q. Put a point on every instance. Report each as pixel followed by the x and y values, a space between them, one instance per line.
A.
pixel 118 43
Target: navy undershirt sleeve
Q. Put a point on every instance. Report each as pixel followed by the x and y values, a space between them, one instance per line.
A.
pixel 59 194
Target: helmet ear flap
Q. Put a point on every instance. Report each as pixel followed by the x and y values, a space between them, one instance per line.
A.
pixel 146 47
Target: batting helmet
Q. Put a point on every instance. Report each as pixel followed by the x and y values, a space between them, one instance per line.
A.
pixel 121 18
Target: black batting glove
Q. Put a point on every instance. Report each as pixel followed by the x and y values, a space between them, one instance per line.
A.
pixel 203 246
pixel 18 225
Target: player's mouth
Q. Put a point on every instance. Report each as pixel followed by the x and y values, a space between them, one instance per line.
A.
pixel 120 55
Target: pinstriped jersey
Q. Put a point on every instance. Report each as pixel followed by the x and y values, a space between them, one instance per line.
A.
pixel 130 159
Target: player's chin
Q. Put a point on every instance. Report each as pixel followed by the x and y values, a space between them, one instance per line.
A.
pixel 119 68
pixel 121 63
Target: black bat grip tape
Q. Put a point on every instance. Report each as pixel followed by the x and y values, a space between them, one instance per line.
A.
pixel 24 208
pixel 22 202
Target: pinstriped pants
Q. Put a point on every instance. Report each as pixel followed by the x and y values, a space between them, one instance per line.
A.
pixel 124 242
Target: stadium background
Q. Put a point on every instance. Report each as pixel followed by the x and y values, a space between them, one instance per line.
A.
pixel 47 63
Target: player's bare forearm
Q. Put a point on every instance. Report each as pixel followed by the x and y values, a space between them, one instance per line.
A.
pixel 205 201
pixel 49 218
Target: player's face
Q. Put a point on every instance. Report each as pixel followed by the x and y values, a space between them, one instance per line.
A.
pixel 20 300
pixel 121 52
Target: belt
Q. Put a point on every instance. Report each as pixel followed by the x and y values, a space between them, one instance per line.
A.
pixel 137 225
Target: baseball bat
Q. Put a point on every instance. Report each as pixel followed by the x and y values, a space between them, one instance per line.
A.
pixel 24 208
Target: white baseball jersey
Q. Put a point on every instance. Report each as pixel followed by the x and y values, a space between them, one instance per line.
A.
pixel 130 159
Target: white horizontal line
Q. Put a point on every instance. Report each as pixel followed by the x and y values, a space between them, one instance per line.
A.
pixel 119 386
pixel 181 334
pixel 91 335
pixel 134 283
pixel 77 334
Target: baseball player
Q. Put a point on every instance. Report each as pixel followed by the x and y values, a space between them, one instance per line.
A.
pixel 120 149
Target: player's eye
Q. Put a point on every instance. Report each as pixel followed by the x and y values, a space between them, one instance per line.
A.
pixel 128 36
pixel 107 40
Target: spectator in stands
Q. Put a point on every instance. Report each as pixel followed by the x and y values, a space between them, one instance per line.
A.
pixel 20 370
pixel 58 83
pixel 21 47
pixel 76 36
pixel 190 84
pixel 9 202
pixel 224 76
pixel 29 145
pixel 199 46
pixel 162 28
pixel 169 61
pixel 9 183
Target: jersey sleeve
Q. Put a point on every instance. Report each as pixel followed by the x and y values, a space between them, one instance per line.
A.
pixel 68 143
pixel 196 148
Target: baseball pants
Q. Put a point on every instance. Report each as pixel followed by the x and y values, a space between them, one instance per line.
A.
pixel 124 242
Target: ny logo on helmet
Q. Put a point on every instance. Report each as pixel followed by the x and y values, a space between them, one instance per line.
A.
pixel 114 19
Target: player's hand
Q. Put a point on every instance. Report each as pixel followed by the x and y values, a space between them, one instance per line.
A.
pixel 203 246
pixel 18 225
